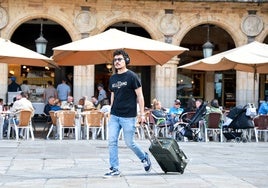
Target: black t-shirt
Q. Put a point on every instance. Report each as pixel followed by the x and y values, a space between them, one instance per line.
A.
pixel 125 99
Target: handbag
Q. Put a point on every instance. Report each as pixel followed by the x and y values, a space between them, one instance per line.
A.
pixel 251 110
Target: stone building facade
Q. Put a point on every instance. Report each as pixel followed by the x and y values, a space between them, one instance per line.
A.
pixel 167 21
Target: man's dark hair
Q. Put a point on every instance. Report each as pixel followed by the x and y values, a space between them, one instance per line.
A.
pixel 123 53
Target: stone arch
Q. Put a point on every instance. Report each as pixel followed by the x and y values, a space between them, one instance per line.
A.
pixel 140 19
pixel 238 37
pixel 262 36
pixel 65 23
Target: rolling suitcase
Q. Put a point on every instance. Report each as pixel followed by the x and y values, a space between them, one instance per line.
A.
pixel 167 153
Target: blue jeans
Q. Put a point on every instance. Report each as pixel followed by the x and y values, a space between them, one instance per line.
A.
pixel 128 126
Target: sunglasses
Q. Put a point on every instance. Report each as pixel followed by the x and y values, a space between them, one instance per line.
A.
pixel 118 59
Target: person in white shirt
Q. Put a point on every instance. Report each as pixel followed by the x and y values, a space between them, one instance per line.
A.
pixel 22 103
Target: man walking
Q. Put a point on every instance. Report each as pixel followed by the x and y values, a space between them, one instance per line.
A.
pixel 63 91
pixel 125 90
pixel 102 93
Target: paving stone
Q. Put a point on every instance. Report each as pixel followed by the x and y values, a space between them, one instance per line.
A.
pixel 82 163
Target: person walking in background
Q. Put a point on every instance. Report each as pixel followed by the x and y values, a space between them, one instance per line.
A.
pixel 49 91
pixel 102 93
pixel 63 91
pixel 126 90
pixel 25 87
pixel 13 86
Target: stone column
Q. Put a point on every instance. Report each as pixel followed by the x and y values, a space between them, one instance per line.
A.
pixel 3 66
pixel 166 83
pixel 83 81
pixel 84 76
pixel 3 81
pixel 209 86
pixel 247 89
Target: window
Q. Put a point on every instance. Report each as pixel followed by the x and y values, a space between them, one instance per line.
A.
pixel 190 85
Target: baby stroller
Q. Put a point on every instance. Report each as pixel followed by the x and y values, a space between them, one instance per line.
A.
pixel 238 120
pixel 184 128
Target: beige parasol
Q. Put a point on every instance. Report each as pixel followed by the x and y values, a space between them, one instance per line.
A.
pixel 98 49
pixel 11 53
pixel 252 57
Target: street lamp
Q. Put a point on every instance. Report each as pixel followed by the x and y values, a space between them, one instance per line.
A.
pixel 208 46
pixel 41 42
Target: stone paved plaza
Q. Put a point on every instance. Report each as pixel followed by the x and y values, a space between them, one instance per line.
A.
pixel 70 163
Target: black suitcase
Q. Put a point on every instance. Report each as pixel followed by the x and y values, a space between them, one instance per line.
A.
pixel 167 153
pixel 169 156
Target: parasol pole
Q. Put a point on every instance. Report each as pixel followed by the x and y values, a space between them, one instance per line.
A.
pixel 255 80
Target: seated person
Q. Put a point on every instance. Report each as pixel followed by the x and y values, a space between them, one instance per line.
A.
pixel 106 107
pixel 48 106
pixel 88 104
pixel 194 122
pixel 214 107
pixel 22 103
pixel 263 110
pixel 95 102
pixel 175 111
pixel 81 102
pixel 160 112
pixel 56 106
pixel 69 104
pixel 190 107
pixel 200 110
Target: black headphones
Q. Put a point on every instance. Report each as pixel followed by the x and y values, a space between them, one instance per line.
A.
pixel 126 57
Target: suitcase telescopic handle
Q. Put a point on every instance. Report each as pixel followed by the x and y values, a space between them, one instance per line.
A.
pixel 151 137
